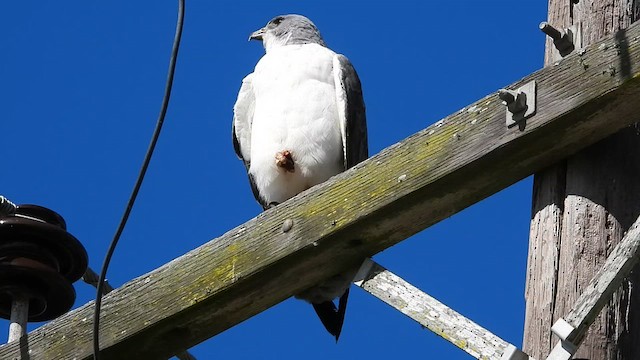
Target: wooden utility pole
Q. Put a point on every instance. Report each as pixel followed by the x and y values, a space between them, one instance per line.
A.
pixel 582 208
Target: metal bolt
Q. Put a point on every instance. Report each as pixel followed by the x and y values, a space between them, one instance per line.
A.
pixel 19 317
pixel 287 225
pixel 516 102
pixel 507 96
pixel 520 103
pixel 562 40
pixel 554 33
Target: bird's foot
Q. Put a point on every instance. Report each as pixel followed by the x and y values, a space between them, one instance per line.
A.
pixel 284 160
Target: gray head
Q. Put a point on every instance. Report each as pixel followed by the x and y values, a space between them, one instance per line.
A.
pixel 288 30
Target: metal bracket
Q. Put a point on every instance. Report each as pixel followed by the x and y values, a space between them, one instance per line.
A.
pixel 562 329
pixel 513 353
pixel 562 39
pixel 565 41
pixel 565 348
pixel 521 103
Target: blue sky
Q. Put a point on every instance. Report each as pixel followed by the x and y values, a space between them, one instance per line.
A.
pixel 81 85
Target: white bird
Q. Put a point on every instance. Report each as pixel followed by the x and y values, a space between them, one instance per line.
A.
pixel 300 119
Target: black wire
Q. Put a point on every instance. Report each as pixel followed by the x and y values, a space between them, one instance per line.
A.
pixel 136 188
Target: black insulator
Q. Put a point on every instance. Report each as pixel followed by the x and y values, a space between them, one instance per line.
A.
pixel 38 259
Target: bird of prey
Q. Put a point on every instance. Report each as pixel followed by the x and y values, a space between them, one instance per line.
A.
pixel 300 119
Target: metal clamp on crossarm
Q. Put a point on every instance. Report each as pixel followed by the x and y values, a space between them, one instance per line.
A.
pixel 520 103
pixel 513 353
pixel 564 349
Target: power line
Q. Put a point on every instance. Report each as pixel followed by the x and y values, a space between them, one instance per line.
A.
pixel 136 188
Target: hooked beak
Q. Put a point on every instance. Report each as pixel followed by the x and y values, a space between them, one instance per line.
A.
pixel 257 35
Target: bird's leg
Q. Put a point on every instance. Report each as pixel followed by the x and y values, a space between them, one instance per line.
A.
pixel 285 160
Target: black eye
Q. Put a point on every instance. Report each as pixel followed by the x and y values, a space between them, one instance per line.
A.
pixel 277 20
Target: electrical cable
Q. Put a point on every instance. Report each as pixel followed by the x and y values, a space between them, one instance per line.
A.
pixel 136 188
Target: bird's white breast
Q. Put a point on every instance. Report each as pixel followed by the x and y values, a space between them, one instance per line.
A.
pixel 295 110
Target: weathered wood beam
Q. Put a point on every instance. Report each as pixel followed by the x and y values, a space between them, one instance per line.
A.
pixel 582 206
pixel 434 315
pixel 595 296
pixel 402 190
pixel 92 278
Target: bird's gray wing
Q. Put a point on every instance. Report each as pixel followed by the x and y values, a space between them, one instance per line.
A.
pixel 242 119
pixel 241 129
pixel 353 127
pixel 353 120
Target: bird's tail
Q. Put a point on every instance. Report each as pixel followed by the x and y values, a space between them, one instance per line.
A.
pixel 332 318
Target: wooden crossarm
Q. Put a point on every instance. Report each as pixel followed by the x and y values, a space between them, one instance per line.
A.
pixel 434 315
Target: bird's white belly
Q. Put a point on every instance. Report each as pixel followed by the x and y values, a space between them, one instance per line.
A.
pixel 295 110
pixel 315 145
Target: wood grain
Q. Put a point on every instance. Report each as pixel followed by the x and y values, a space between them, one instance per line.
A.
pixel 606 281
pixel 582 207
pixel 434 315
